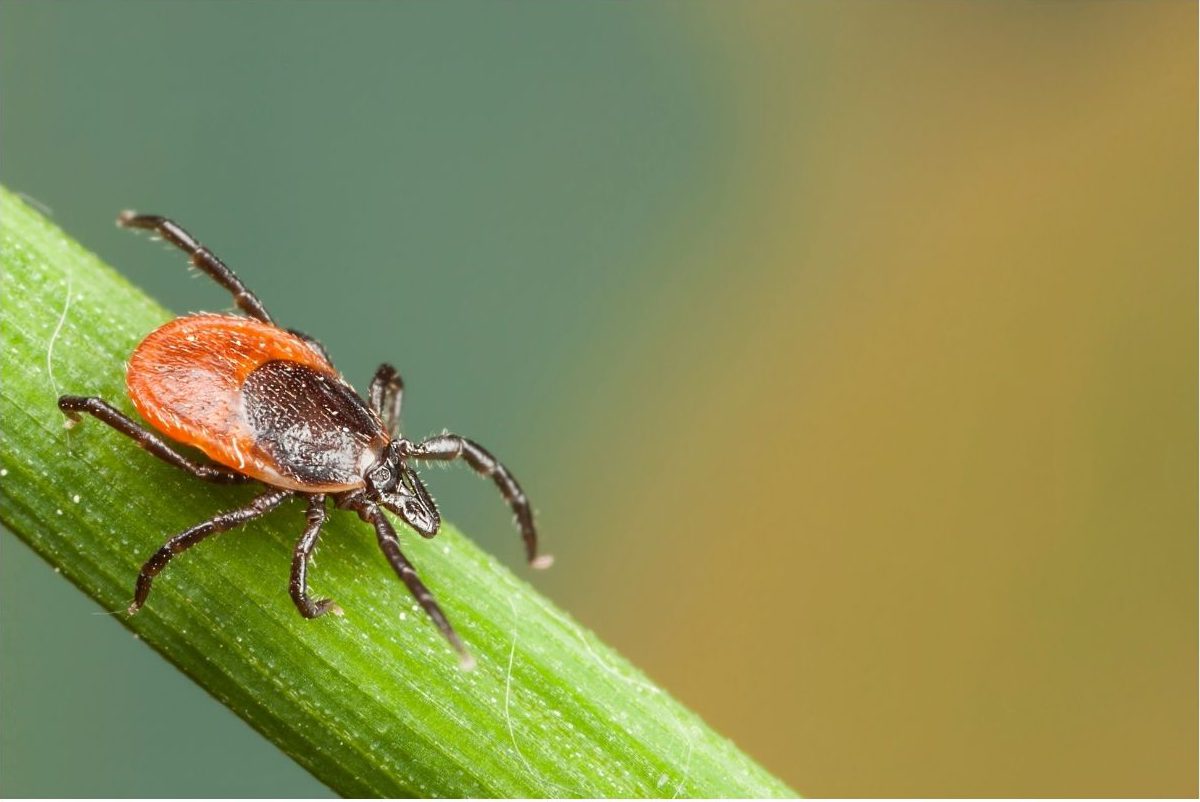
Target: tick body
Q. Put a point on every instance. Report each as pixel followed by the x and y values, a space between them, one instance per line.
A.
pixel 265 405
pixel 257 399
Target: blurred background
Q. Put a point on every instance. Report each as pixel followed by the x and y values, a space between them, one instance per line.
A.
pixel 848 351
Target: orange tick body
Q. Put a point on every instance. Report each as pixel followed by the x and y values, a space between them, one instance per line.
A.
pixel 203 380
pixel 265 404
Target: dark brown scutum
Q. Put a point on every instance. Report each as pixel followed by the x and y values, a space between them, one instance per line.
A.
pixel 313 427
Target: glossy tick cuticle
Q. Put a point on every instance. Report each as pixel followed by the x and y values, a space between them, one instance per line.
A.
pixel 265 404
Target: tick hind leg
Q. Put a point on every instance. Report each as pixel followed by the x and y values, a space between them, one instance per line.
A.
pixel 386 397
pixel 72 405
pixel 260 506
pixel 390 544
pixel 200 257
pixel 451 446
pixel 305 547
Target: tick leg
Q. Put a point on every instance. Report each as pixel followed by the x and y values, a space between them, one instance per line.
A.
pixel 386 396
pixel 300 557
pixel 72 405
pixel 404 569
pixel 451 446
pixel 201 257
pixel 260 506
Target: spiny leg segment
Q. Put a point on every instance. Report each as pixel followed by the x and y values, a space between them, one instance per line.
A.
pixel 390 544
pixel 204 259
pixel 298 586
pixel 386 397
pixel 452 446
pixel 260 506
pixel 200 257
pixel 72 405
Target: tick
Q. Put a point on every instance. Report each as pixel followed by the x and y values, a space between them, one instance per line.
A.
pixel 266 405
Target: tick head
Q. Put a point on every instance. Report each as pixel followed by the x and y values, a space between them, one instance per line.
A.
pixel 411 501
pixel 396 486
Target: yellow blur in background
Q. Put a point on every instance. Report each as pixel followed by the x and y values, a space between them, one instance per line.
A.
pixel 847 349
pixel 954 552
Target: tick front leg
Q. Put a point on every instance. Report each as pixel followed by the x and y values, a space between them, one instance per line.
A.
pixel 390 544
pixel 260 506
pixel 201 258
pixel 387 396
pixel 72 405
pixel 298 586
pixel 451 446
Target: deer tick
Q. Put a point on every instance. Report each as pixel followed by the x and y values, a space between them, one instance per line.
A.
pixel 266 405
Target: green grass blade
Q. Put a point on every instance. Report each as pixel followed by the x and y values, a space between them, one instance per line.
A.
pixel 372 703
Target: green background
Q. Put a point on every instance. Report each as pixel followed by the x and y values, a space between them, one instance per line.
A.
pixel 846 350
